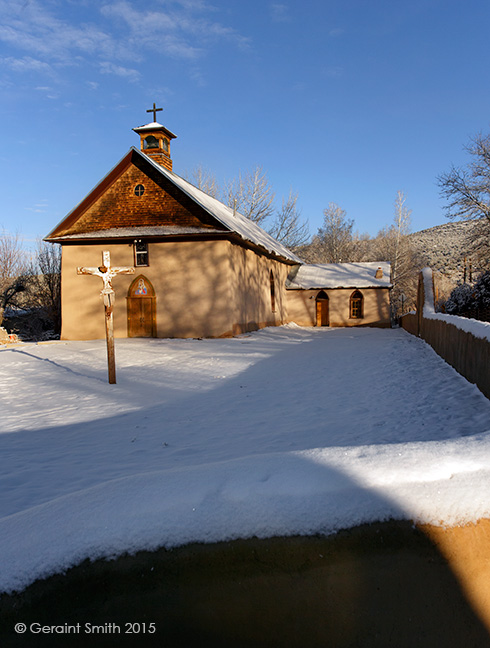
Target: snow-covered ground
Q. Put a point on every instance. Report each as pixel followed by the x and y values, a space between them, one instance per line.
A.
pixel 284 431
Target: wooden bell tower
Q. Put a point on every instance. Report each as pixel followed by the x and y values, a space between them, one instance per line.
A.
pixel 155 140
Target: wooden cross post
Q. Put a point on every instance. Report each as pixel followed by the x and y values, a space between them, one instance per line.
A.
pixel 106 273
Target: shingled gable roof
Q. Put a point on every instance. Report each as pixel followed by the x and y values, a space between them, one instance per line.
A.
pixel 232 221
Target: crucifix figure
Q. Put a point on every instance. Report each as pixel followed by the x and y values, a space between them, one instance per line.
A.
pixel 106 273
pixel 154 110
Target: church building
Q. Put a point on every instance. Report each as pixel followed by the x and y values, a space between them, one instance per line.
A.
pixel 201 269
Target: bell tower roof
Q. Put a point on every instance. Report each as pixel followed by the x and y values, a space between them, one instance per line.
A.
pixel 155 140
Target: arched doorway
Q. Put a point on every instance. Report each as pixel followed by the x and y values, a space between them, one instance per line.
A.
pixel 141 308
pixel 322 309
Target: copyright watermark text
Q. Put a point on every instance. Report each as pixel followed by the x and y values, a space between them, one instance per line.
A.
pixel 87 628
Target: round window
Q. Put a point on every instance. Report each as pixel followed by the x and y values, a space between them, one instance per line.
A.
pixel 139 190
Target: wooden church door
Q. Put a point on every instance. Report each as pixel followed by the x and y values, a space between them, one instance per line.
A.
pixel 141 308
pixel 322 309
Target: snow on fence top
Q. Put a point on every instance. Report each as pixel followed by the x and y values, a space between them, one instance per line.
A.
pixel 340 275
pixel 475 327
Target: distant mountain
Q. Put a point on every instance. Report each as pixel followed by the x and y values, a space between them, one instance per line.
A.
pixel 444 248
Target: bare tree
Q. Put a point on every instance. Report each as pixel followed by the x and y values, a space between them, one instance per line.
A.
pixel 287 227
pixel 401 225
pixel 478 241
pixel 45 283
pixel 468 190
pixel 203 179
pixel 251 195
pixel 467 193
pixel 334 241
pixel 393 244
pixel 362 244
pixel 13 271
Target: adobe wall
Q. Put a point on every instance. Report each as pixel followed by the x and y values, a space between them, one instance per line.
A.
pixel 301 307
pixel 251 290
pixel 189 278
pixel 203 289
pixel 388 584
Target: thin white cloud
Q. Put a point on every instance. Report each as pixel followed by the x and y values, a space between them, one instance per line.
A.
pixel 39 208
pixel 107 67
pixel 280 12
pixel 197 76
pixel 25 64
pixel 30 26
pixel 194 5
pixel 49 93
pixel 177 33
pixel 117 31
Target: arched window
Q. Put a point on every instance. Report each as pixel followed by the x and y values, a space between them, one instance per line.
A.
pixel 150 142
pixel 356 305
pixel 273 291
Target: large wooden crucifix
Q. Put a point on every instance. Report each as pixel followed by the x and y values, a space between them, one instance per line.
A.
pixel 107 273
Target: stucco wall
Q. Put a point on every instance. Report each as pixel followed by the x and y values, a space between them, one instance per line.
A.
pixel 251 290
pixel 203 289
pixel 189 278
pixel 388 584
pixel 301 307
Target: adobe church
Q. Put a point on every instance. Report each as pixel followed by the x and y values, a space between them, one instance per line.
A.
pixel 201 268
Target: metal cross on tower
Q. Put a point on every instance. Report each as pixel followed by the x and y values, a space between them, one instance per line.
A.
pixel 106 273
pixel 154 110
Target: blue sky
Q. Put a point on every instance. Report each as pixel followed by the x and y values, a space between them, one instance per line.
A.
pixel 344 101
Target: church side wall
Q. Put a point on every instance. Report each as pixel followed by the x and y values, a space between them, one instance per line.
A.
pixel 251 290
pixel 191 282
pixel 193 292
pixel 301 307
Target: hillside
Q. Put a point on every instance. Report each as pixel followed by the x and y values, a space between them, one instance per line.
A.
pixel 444 248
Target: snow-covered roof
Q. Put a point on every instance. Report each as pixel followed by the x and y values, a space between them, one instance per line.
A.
pixel 154 126
pixel 340 275
pixel 151 125
pixel 231 219
pixel 147 230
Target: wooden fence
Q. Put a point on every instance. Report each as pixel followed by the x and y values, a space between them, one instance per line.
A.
pixel 468 353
